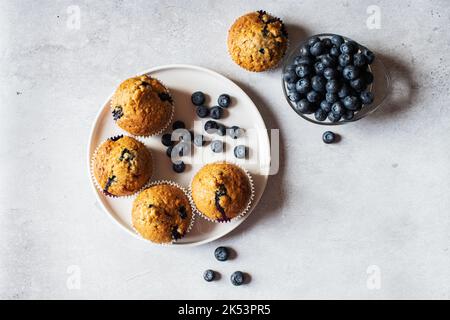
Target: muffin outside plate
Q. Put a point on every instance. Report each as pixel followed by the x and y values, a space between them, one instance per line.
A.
pixel 222 191
pixel 142 106
pixel 121 166
pixel 162 213
pixel 257 41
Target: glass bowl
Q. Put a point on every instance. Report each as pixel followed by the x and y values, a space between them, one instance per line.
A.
pixel 380 86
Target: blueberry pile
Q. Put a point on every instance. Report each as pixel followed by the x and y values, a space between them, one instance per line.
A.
pixel 237 278
pixel 330 78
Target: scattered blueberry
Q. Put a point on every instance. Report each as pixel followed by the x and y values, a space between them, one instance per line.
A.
pixel 237 278
pixel 199 140
pixel 198 98
pixel 224 100
pixel 235 132
pixel 328 137
pixel 178 166
pixel 240 151
pixel 211 126
pixel 221 130
pixel 221 253
pixel 216 112
pixel 166 139
pixel 217 146
pixel 178 125
pixel 202 111
pixel 209 275
pixel 169 151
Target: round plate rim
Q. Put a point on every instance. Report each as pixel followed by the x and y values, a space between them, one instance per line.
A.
pixel 191 244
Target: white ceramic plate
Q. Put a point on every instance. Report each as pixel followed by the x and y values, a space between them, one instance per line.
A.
pixel 182 81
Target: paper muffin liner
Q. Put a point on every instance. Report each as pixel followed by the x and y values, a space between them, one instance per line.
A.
pixel 275 66
pixel 247 207
pixel 163 128
pixel 191 203
pixel 97 185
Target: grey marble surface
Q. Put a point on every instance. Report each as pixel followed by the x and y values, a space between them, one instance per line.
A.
pixel 365 218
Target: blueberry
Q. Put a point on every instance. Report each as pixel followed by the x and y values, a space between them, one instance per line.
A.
pixel 221 130
pixel 343 91
pixel 290 67
pixel 235 132
pixel 349 47
pixel 198 98
pixel 318 83
pixel 291 86
pixel 303 70
pixel 313 40
pixel 178 125
pixel 209 275
pixel 350 102
pixel 221 253
pixel 359 60
pixel 169 151
pixel 368 77
pixel 337 40
pixel 303 60
pixel 334 117
pixel 216 112
pixel 199 140
pixel 304 51
pixel 328 137
pixel 327 43
pixel 202 111
pixel 348 115
pixel 224 100
pixel 237 278
pixel 345 59
pixel 337 108
pixel 117 113
pixel 166 139
pixel 240 151
pixel 217 146
pixel 370 56
pixel 350 72
pixel 332 86
pixel 328 61
pixel 331 97
pixel 303 85
pixel 325 106
pixel 290 76
pixel 319 67
pixel 317 48
pixel 211 126
pixel 366 97
pixel 183 149
pixel 320 114
pixel 330 73
pixel 304 106
pixel 335 52
pixel 313 97
pixel 358 84
pixel 178 166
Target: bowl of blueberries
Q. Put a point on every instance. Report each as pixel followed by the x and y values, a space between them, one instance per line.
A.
pixel 331 79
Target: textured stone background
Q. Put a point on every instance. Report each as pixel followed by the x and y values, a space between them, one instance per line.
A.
pixel 379 197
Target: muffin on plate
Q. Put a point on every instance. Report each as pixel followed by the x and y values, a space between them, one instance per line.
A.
pixel 221 191
pixel 142 106
pixel 122 166
pixel 162 213
pixel 257 41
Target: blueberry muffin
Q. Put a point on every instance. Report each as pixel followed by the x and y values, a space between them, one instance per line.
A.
pixel 221 191
pixel 122 166
pixel 142 106
pixel 162 213
pixel 257 41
